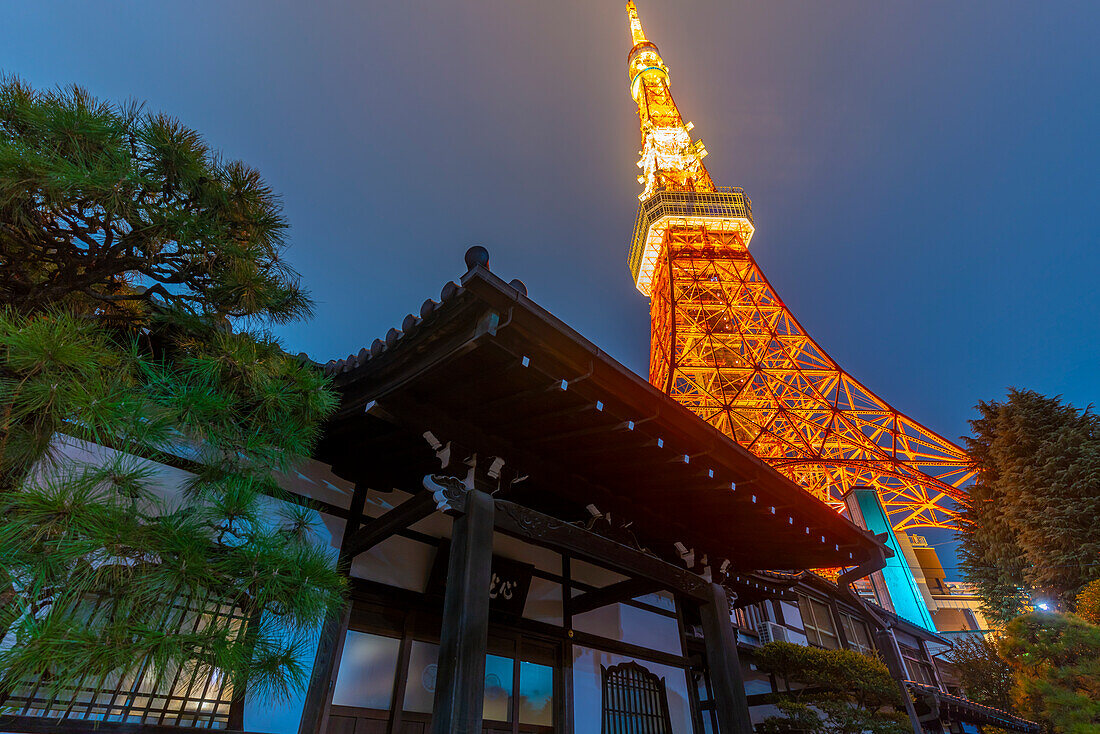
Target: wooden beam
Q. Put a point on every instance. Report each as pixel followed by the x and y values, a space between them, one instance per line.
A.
pixel 573 433
pixel 617 592
pixel 527 421
pixel 550 532
pixel 486 406
pixel 374 532
pixel 419 416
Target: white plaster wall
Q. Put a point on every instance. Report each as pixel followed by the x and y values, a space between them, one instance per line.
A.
pixel 632 625
pixel 544 603
pixel 543 559
pixel 313 479
pixel 588 689
pixel 397 561
pixel 593 575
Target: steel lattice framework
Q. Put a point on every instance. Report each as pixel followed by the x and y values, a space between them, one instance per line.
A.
pixel 725 345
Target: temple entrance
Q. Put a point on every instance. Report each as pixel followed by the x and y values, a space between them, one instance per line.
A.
pixel 386 678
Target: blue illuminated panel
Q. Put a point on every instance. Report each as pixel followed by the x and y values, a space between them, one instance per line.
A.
pixel 904 594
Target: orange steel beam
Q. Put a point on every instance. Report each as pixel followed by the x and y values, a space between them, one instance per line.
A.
pixel 725 345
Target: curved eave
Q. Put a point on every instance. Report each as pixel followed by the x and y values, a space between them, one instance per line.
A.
pixel 490 365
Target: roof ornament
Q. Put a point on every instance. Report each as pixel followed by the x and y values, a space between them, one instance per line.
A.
pixel 446 491
pixel 477 255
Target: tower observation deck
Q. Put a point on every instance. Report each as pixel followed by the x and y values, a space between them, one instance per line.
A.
pixel 725 345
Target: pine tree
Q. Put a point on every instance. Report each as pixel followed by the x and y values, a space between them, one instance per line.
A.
pixel 830 691
pixel 133 261
pixel 1028 527
pixel 1055 662
pixel 113 211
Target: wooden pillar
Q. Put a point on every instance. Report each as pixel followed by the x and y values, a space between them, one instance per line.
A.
pixel 724 665
pixel 330 647
pixel 331 642
pixel 460 675
pixel 887 644
pixel 565 707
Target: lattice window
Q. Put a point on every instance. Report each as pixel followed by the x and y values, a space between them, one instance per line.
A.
pixel 817 621
pixel 856 632
pixel 920 670
pixel 634 701
pixel 195 695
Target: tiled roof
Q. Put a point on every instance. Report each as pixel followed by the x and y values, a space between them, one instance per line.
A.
pixel 563 378
pixel 967 710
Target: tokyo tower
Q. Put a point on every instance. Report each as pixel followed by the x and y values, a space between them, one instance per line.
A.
pixel 724 344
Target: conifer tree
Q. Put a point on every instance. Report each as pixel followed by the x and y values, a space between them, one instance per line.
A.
pixel 138 270
pixel 983 673
pixel 1029 526
pixel 112 211
pixel 1055 663
pixel 830 691
pixel 1088 602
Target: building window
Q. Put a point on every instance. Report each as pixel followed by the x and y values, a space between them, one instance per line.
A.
pixel 536 694
pixel 368 666
pixel 817 621
pixel 192 695
pixel 919 669
pixel 420 682
pixel 856 632
pixel 634 700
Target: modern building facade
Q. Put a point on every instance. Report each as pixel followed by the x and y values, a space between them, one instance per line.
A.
pixel 954 605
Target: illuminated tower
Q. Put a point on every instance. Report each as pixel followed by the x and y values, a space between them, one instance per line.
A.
pixel 725 345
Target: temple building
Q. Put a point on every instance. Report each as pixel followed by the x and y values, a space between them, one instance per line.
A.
pixel 556 530
pixel 542 541
pixel 539 540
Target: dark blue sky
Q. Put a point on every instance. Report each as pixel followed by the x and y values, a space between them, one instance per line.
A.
pixel 924 176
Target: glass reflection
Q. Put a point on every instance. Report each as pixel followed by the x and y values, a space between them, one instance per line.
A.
pixel 367 670
pixel 536 694
pixel 420 686
pixel 498 688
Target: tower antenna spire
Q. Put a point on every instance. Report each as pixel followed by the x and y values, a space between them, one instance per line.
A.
pixel 726 346
pixel 670 160
pixel 636 31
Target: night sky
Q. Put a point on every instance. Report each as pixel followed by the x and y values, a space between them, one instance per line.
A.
pixel 924 176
